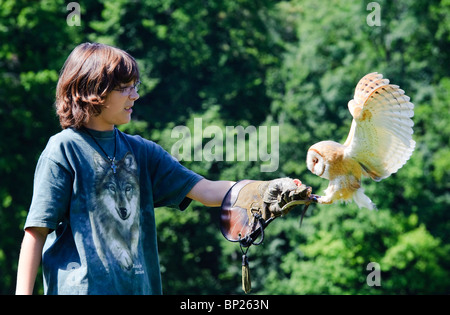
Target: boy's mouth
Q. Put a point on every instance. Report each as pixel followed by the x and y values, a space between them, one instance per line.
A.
pixel 129 109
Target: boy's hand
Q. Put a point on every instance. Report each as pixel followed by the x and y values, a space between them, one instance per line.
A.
pixel 280 192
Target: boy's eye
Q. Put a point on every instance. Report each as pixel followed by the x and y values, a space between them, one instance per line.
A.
pixel 122 89
pixel 128 89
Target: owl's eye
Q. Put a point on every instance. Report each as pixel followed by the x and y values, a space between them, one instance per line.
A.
pixel 315 160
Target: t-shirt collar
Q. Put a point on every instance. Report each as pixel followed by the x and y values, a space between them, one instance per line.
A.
pixel 100 134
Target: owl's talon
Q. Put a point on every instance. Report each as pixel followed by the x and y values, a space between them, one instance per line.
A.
pixel 324 200
pixel 314 198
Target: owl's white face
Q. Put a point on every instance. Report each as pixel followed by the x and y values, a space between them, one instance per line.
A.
pixel 316 163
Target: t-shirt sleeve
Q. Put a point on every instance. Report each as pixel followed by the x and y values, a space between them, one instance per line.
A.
pixel 51 194
pixel 171 181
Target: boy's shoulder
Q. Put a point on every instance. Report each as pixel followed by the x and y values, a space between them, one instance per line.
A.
pixel 66 139
pixel 60 144
pixel 63 139
pixel 64 135
pixel 137 140
pixel 150 149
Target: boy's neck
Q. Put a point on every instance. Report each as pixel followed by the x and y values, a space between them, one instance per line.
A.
pixel 94 125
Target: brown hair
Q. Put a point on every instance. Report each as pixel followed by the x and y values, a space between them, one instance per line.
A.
pixel 89 74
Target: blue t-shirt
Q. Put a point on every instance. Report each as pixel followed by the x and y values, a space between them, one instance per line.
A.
pixel 103 222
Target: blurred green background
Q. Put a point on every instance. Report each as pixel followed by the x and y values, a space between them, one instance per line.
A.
pixel 292 64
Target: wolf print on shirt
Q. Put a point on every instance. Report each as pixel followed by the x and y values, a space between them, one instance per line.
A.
pixel 115 217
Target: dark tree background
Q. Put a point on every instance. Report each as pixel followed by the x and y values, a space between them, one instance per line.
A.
pixel 291 64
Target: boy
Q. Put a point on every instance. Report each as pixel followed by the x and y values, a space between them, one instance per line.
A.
pixel 95 188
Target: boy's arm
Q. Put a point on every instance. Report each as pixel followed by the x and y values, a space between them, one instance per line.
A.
pixel 30 259
pixel 276 193
pixel 210 193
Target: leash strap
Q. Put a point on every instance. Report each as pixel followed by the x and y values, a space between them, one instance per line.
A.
pixel 246 226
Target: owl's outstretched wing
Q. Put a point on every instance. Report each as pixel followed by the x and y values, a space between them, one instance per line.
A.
pixel 380 137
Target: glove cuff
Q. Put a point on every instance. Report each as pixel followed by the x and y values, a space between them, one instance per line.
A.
pixel 242 203
pixel 250 205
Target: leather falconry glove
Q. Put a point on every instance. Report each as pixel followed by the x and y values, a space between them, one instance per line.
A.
pixel 249 206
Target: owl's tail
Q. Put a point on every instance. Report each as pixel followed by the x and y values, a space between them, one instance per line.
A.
pixel 362 200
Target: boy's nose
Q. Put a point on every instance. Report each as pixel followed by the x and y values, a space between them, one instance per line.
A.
pixel 134 95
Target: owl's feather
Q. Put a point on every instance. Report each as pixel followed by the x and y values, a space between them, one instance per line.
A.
pixel 380 138
pixel 378 144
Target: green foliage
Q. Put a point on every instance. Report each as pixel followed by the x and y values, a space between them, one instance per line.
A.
pixel 292 64
pixel 341 243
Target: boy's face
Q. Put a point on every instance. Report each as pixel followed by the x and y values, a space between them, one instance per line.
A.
pixel 116 110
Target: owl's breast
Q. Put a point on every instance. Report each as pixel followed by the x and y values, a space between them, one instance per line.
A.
pixel 344 166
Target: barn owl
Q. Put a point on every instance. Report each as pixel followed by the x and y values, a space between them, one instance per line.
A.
pixel 379 142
